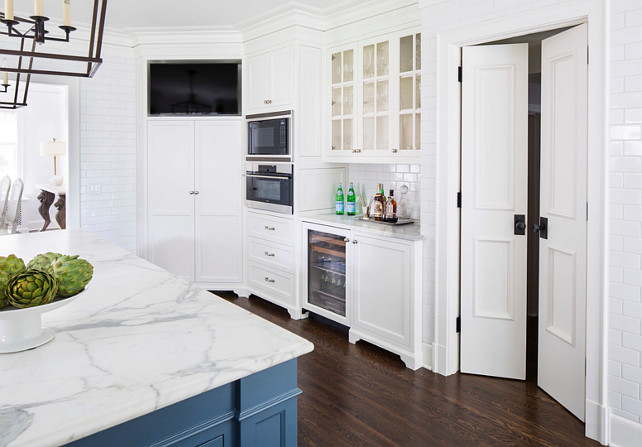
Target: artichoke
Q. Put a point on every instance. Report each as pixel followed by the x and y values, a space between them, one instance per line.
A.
pixel 43 261
pixel 31 288
pixel 73 275
pixel 9 267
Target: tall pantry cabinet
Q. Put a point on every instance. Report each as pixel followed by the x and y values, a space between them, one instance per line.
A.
pixel 194 199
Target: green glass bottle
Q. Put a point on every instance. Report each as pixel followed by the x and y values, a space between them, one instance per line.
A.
pixel 351 205
pixel 339 204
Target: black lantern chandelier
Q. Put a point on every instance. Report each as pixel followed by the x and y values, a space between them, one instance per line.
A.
pixel 32 30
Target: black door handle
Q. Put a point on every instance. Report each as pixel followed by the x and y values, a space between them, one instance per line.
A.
pixel 542 228
pixel 519 224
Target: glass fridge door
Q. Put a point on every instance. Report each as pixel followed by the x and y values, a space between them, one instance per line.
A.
pixel 327 271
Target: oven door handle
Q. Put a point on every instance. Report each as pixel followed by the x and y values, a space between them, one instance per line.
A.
pixel 269 176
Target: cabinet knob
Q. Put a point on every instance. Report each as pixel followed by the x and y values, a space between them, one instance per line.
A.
pixel 196 192
pixel 346 240
pixel 192 192
pixel 269 228
pixel 354 241
pixel 268 254
pixel 394 151
pixel 266 279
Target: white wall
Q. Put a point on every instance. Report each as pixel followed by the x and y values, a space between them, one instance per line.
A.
pixel 625 318
pixel 44 119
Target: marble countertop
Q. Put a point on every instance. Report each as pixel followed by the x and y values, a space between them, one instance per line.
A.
pixel 138 339
pixel 410 232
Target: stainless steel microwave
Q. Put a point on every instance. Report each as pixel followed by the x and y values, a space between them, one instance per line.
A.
pixel 269 136
pixel 269 186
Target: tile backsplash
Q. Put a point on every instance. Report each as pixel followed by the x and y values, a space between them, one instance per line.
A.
pixel 366 176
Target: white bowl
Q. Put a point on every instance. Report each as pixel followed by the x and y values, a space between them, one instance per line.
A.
pixel 21 329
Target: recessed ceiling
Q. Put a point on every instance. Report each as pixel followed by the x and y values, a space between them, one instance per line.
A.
pixel 128 14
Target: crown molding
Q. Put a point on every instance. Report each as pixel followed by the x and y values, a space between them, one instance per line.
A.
pixel 185 35
pixel 285 16
pixel 352 11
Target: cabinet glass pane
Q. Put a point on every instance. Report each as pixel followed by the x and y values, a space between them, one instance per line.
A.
pixel 368 134
pixel 347 100
pixel 336 134
pixel 336 68
pixel 383 58
pixel 406 54
pixel 368 97
pixel 405 93
pixel 418 91
pixel 336 101
pixel 327 271
pixel 347 135
pixel 382 96
pixel 405 131
pixel 382 133
pixel 418 131
pixel 348 66
pixel 418 51
pixel 368 61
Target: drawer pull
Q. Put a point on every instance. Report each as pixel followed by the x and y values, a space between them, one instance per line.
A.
pixel 269 228
pixel 354 241
pixel 271 255
pixel 266 279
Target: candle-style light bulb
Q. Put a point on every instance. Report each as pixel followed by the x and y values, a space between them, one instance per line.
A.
pixel 8 9
pixel 37 8
pixel 66 12
pixel 5 75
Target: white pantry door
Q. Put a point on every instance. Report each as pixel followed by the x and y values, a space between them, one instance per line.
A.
pixel 494 191
pixel 562 270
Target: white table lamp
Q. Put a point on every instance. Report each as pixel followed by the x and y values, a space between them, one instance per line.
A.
pixel 54 148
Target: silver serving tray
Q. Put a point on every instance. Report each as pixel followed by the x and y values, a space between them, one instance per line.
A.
pixel 381 222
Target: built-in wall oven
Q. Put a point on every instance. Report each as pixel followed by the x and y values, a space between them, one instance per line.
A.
pixel 269 186
pixel 269 137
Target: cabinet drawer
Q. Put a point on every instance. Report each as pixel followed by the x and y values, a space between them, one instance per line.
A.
pixel 275 255
pixel 271 228
pixel 277 284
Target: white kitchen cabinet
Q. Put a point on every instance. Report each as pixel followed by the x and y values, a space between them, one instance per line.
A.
pixel 194 202
pixel 374 105
pixel 271 268
pixel 270 82
pixel 377 278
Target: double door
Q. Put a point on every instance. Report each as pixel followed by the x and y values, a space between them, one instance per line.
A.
pixel 195 197
pixel 494 215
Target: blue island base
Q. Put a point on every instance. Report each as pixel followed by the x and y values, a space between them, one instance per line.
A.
pixel 257 411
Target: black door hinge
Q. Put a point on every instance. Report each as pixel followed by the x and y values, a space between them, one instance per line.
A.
pixel 458 324
pixel 459 200
pixel 459 74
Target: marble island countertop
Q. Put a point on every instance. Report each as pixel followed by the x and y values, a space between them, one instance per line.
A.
pixel 138 339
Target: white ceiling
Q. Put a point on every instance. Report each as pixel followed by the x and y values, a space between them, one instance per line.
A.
pixel 136 14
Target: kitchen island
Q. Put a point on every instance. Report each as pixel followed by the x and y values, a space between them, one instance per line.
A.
pixel 145 358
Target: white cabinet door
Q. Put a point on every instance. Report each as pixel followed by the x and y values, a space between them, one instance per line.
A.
pixel 494 190
pixel 170 165
pixel 562 256
pixel 218 183
pixel 281 78
pixel 258 81
pixel 382 289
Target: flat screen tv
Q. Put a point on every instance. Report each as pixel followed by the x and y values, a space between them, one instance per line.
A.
pixel 195 88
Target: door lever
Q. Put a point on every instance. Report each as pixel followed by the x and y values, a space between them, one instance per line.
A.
pixel 519 223
pixel 542 228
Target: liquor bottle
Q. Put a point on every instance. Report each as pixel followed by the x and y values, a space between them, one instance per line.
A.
pixel 339 203
pixel 390 214
pixel 378 204
pixel 351 202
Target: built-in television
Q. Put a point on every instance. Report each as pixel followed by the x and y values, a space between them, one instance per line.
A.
pixel 194 88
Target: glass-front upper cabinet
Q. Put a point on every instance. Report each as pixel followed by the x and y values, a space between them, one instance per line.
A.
pixel 343 100
pixel 375 96
pixel 410 92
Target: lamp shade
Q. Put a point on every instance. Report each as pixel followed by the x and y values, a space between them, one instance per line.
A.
pixel 53 148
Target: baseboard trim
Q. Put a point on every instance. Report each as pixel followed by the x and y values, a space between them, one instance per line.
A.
pixel 625 433
pixel 426 348
pixel 597 422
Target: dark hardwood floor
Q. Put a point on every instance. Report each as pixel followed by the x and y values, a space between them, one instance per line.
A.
pixel 360 395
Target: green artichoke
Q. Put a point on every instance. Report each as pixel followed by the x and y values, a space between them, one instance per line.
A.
pixel 9 267
pixel 31 288
pixel 43 261
pixel 73 275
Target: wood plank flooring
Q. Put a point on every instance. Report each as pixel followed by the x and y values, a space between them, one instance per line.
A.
pixel 360 395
